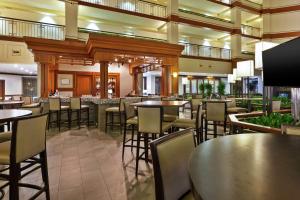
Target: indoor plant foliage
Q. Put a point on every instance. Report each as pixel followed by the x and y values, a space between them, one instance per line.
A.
pixel 221 88
pixel 274 120
pixel 208 89
pixel 202 89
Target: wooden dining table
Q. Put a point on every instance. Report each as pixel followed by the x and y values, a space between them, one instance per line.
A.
pixel 10 104
pixel 258 166
pixel 8 115
pixel 161 103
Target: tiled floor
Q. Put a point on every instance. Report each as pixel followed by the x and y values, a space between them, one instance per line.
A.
pixel 86 165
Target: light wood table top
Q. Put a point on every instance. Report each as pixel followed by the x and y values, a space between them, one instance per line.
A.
pixel 10 114
pixel 246 167
pixel 161 103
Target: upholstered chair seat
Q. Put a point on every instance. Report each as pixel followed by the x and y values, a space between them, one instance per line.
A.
pixel 184 123
pixel 170 163
pixel 65 107
pixel 165 126
pixel 234 110
pixel 32 105
pixel 84 106
pixel 112 109
pixel 132 121
pixel 170 118
pixel 6 136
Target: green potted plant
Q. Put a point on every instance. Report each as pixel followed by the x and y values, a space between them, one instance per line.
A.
pixel 208 88
pixel 202 89
pixel 221 88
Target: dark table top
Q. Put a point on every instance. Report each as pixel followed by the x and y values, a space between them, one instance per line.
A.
pixel 247 167
pixel 10 114
pixel 161 103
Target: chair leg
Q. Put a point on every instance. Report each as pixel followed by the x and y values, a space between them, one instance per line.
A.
pixel 137 154
pixel 120 118
pixel 78 118
pixel 146 141
pixel 58 119
pixel 215 130
pixel 88 117
pixel 44 169
pixel 132 136
pixel 49 120
pixel 206 127
pixel 225 124
pixel 14 173
pixel 106 122
pixel 124 139
pixel 69 118
pixel 112 121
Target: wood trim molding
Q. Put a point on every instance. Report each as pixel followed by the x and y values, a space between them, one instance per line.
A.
pixel 281 9
pixel 11 38
pixel 281 35
pixel 199 24
pixel 251 36
pixel 206 58
pixel 83 3
pixel 246 7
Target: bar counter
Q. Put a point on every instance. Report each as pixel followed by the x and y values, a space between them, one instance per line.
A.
pixel 97 107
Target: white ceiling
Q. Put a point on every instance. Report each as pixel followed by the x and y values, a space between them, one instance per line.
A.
pixel 30 69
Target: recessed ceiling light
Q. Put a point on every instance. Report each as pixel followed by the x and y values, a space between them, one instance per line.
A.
pixel 21 68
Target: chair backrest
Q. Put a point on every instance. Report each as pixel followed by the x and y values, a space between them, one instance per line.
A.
pixel 27 100
pixel 128 110
pixel 54 103
pixel 199 116
pixel 121 105
pixel 195 103
pixel 170 155
pixel 290 130
pixel 150 119
pixel 231 103
pixel 16 98
pixel 75 103
pixel 215 111
pixel 276 105
pixel 28 137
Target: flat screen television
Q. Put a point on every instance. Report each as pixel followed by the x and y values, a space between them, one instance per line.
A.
pixel 281 65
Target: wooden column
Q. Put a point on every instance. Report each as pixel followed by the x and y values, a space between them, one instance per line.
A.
pixel 172 64
pixel 104 79
pixel 164 81
pixel 47 79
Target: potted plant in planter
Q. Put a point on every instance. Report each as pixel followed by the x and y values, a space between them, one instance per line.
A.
pixel 202 89
pixel 208 88
pixel 221 89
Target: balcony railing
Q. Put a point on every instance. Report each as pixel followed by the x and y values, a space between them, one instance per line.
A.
pixel 138 6
pixel 85 30
pixel 205 51
pixel 203 15
pixel 251 31
pixel 20 28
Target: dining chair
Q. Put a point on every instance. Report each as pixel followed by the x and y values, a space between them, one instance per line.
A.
pixel 196 124
pixel 215 112
pixel 112 112
pixel 55 107
pixel 171 113
pixel 170 156
pixel 232 108
pixel 27 100
pixel 194 106
pixel 79 108
pixel 131 122
pixel 150 122
pixel 24 154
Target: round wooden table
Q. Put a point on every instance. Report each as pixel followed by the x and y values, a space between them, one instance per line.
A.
pixel 247 167
pixel 8 115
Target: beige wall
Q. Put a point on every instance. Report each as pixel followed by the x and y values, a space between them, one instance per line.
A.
pixel 202 66
pixel 8 53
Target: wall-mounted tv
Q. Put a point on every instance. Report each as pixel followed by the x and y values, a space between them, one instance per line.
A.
pixel 281 65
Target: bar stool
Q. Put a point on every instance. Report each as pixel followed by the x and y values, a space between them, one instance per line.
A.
pixel 24 153
pixel 56 107
pixel 150 122
pixel 196 124
pixel 215 112
pixel 76 106
pixel 131 122
pixel 112 112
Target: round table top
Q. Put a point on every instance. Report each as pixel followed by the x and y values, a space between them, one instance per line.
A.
pixel 10 114
pixel 246 167
pixel 10 102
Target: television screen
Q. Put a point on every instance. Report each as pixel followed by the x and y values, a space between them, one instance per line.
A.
pixel 281 65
